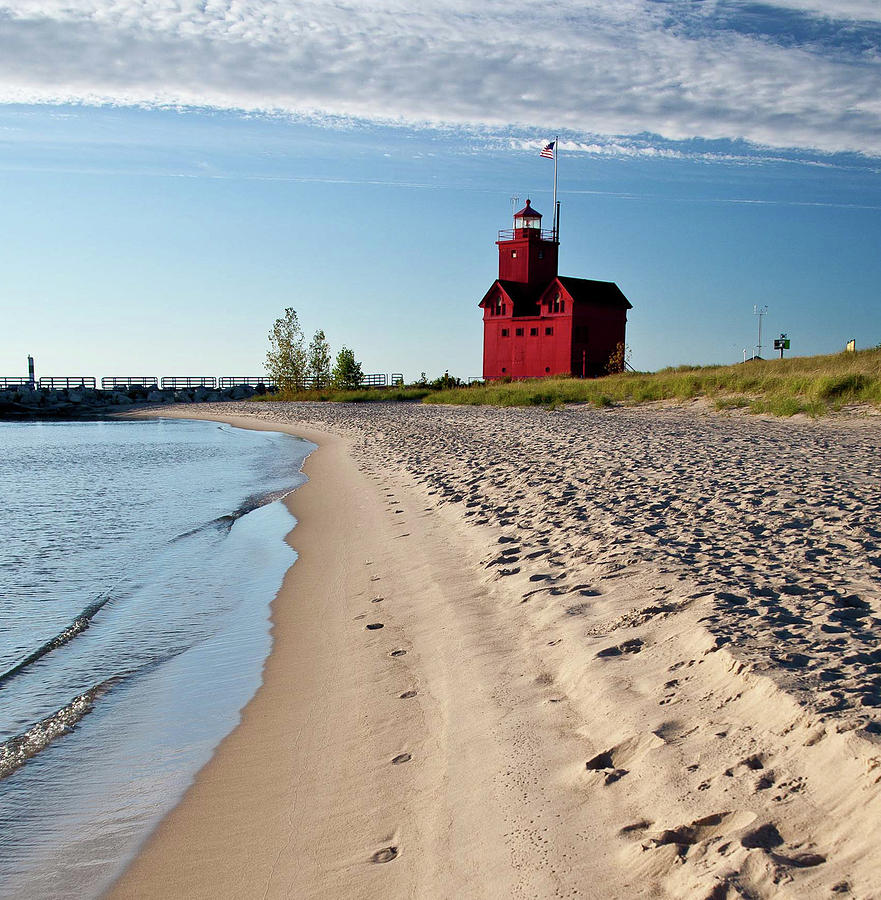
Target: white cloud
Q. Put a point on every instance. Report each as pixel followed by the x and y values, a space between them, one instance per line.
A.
pixel 854 10
pixel 586 68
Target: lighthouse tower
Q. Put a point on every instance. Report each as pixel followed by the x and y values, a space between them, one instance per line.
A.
pixel 527 254
pixel 537 323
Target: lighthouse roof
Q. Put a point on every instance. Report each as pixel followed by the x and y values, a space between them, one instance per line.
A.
pixel 527 298
pixel 527 212
pixel 595 293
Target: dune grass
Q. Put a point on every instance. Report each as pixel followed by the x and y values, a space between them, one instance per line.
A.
pixel 813 385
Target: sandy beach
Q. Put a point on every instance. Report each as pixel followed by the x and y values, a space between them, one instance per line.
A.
pixel 581 653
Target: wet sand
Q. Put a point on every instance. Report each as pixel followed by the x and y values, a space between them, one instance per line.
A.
pixel 642 658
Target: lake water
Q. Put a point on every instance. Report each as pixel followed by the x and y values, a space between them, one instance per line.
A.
pixel 138 560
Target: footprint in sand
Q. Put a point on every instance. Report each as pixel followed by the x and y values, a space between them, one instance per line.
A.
pixel 398 652
pixel 765 837
pixel 387 854
pixel 401 758
pixel 716 825
pixel 611 763
pixel 374 626
pixel 752 763
pixel 407 695
pixel 632 646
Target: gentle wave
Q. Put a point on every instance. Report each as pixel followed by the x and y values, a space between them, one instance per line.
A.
pixel 84 619
pixel 78 626
pixel 15 752
pixel 248 505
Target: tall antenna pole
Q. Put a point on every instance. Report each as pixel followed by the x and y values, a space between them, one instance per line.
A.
pixel 760 311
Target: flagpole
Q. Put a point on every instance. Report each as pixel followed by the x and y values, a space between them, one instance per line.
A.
pixel 554 208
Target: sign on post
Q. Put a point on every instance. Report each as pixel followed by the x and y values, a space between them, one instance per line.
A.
pixel 781 344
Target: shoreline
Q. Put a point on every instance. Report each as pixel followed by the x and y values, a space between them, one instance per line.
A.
pixel 382 773
pixel 148 873
pixel 583 708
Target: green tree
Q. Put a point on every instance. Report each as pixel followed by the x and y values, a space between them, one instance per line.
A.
pixel 286 358
pixel 346 370
pixel 318 359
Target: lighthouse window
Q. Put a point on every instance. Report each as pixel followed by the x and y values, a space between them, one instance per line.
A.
pixel 504 332
pixel 557 303
pixel 562 306
pixel 533 332
pixel 519 332
pixel 513 254
pixel 549 331
pixel 541 254
pixel 504 309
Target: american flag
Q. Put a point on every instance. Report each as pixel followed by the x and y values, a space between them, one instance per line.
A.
pixel 548 150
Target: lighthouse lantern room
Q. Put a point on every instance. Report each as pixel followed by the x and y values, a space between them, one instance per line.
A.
pixel 537 323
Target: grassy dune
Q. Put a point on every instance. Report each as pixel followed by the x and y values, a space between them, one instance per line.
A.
pixel 812 384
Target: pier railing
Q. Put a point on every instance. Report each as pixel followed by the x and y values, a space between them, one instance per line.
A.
pixel 176 382
pixel 67 381
pixel 112 381
pixel 250 380
pixel 185 381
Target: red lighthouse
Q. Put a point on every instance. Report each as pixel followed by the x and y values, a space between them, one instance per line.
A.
pixel 538 323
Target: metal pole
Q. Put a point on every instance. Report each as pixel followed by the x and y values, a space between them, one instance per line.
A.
pixel 759 311
pixel 31 379
pixel 554 207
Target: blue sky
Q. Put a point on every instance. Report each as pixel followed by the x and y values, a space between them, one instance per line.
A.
pixel 174 175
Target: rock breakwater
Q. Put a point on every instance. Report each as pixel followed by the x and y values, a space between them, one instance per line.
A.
pixel 23 401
